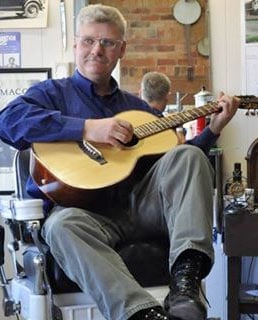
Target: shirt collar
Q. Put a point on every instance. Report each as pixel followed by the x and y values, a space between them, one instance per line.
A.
pixel 87 86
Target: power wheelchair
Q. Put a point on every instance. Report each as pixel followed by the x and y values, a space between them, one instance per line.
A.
pixel 39 289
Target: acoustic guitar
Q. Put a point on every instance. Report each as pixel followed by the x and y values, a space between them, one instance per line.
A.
pixel 76 173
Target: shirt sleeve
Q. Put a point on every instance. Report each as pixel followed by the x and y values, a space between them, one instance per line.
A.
pixel 205 140
pixel 37 116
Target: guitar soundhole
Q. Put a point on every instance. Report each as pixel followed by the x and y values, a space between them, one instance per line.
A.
pixel 133 141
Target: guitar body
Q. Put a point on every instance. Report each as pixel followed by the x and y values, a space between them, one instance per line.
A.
pixel 67 175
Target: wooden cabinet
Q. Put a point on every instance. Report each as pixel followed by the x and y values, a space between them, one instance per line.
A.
pixel 240 239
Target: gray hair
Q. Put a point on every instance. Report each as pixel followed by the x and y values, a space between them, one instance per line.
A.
pixel 155 86
pixel 101 14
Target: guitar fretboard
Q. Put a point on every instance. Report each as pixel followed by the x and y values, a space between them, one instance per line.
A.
pixel 174 120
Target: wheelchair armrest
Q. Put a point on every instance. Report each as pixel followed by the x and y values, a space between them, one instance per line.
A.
pixel 22 210
pixel 22 217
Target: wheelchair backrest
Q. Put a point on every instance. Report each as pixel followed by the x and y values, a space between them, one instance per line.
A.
pixel 21 166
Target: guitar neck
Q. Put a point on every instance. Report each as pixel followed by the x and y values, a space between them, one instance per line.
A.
pixel 175 120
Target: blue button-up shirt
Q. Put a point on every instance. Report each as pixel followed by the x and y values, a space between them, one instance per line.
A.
pixel 56 109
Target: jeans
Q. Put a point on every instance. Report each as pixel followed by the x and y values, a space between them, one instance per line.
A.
pixel 174 198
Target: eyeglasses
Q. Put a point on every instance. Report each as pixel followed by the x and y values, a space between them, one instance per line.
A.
pixel 106 43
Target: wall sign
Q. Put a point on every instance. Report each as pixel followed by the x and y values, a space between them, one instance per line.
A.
pixel 10 49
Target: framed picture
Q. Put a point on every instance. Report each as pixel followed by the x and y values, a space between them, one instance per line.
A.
pixel 251 17
pixel 14 82
pixel 19 14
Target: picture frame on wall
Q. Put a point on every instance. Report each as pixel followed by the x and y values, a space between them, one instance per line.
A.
pixel 23 14
pixel 251 17
pixel 15 82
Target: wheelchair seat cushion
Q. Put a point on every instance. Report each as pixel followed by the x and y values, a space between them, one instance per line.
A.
pixel 147 261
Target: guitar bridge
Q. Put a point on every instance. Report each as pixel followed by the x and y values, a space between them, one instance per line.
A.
pixel 92 152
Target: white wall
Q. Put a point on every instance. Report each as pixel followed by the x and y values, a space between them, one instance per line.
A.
pixel 225 45
pixel 228 75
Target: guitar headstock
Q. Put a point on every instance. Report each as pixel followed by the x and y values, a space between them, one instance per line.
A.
pixel 249 103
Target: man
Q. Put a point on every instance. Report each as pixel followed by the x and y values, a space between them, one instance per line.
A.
pixel 173 198
pixel 155 89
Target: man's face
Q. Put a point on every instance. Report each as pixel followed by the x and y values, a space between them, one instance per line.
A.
pixel 95 58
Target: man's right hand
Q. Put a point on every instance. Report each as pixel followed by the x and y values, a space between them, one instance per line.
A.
pixel 113 131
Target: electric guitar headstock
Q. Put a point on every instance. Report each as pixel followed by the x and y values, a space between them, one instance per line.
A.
pixel 249 103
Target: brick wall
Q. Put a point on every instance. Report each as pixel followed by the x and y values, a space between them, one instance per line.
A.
pixel 156 41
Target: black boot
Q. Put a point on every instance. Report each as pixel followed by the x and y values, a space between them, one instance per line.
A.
pixel 183 300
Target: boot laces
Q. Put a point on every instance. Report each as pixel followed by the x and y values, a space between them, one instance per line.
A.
pixel 187 280
pixel 187 277
pixel 154 315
